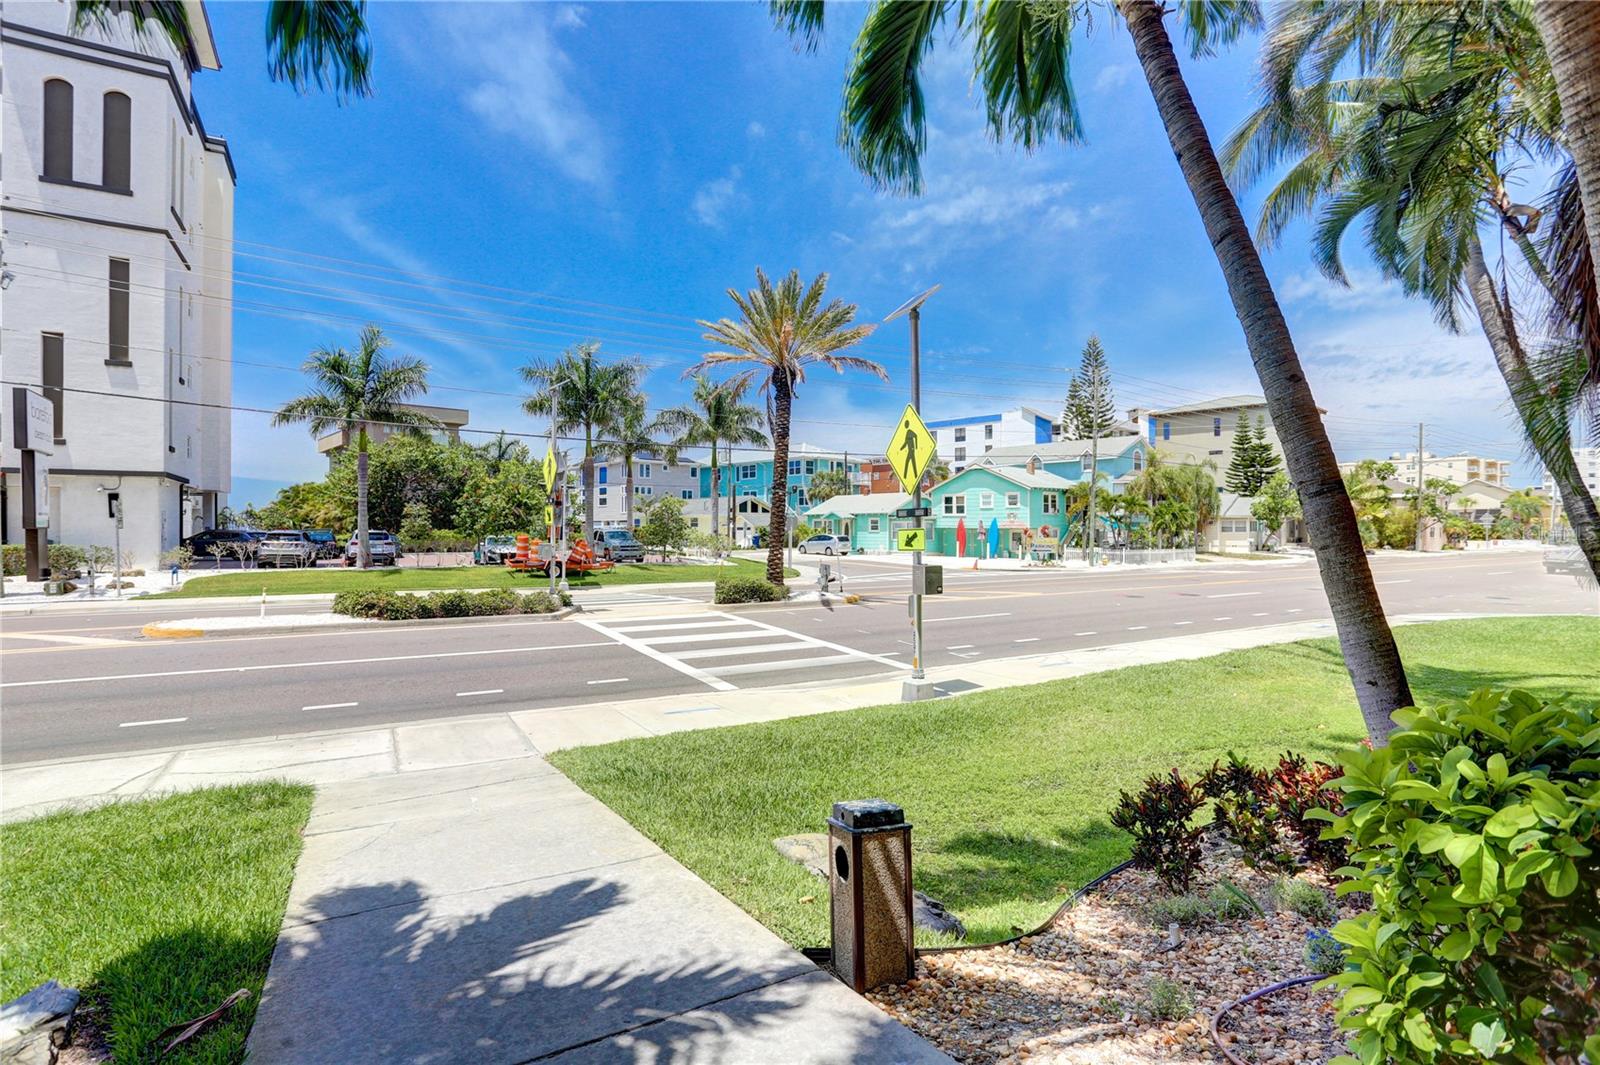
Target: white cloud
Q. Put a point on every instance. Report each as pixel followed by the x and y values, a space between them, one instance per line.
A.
pixel 755 130
pixel 1114 76
pixel 1367 289
pixel 515 78
pixel 713 199
pixel 983 205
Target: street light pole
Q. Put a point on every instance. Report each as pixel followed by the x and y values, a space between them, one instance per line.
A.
pixel 917 686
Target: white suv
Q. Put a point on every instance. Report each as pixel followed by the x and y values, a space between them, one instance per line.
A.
pixel 825 544
pixel 383 547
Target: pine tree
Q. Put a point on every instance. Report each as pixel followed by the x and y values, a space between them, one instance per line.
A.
pixel 1264 457
pixel 1241 477
pixel 1091 408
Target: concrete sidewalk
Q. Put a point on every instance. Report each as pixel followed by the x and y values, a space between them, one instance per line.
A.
pixel 496 913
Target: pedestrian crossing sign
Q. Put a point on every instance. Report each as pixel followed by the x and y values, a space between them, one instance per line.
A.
pixel 550 469
pixel 550 520
pixel 911 449
pixel 911 539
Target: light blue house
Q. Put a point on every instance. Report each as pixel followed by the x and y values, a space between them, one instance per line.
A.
pixel 868 521
pixel 750 476
pixel 1120 459
pixel 1026 507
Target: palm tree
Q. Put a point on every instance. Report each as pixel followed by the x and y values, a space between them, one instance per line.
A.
pixel 635 433
pixel 1021 53
pixel 781 330
pixel 716 416
pixel 323 43
pixel 937 473
pixel 826 484
pixel 500 449
pixel 354 391
pixel 1571 34
pixel 1082 503
pixel 594 396
pixel 1420 143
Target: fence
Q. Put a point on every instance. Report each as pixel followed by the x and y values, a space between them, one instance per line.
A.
pixel 1144 556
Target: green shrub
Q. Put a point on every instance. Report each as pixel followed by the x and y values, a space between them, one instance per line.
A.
pixel 543 602
pixel 14 559
pixel 1160 820
pixel 66 560
pixel 1168 1000
pixel 385 606
pixel 1239 793
pixel 397 606
pixel 1474 832
pixel 1302 897
pixel 1230 900
pixel 1323 954
pixel 743 589
pixel 1185 909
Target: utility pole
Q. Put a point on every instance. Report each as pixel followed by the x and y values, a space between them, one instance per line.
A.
pixel 558 483
pixel 1419 486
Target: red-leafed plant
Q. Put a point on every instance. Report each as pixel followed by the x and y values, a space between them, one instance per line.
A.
pixel 1159 818
pixel 1297 787
pixel 1245 812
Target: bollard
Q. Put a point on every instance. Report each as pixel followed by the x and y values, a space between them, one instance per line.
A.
pixel 869 890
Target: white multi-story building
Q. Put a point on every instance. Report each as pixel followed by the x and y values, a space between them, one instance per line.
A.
pixel 962 441
pixel 652 478
pixel 1588 460
pixel 118 275
pixel 1459 468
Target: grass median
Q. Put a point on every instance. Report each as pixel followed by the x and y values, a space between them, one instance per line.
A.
pixel 157 910
pixel 1010 790
pixel 467 578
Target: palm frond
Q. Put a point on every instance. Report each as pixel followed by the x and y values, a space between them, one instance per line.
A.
pixel 1215 24
pixel 1024 66
pixel 166 17
pixel 884 125
pixel 801 19
pixel 320 41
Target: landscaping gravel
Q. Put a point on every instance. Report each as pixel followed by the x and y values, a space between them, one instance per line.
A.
pixel 1083 990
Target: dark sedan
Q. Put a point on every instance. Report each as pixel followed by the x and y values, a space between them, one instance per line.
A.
pixel 228 543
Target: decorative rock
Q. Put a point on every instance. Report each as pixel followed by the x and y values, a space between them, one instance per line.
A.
pixel 35 1025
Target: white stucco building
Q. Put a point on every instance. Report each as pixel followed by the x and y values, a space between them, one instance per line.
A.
pixel 1588 460
pixel 963 441
pixel 652 478
pixel 118 268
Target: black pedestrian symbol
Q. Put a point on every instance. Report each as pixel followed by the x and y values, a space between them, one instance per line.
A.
pixel 910 447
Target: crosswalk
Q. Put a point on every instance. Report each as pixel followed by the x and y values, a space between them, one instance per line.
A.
pixel 607 599
pixel 712 647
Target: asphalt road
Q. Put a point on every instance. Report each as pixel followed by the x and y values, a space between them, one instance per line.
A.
pixel 78 682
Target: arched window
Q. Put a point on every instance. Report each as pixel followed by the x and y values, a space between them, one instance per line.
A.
pixel 116 150
pixel 1138 460
pixel 58 129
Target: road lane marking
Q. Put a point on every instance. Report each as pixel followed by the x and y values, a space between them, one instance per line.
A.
pixel 1230 595
pixel 1224 617
pixel 329 706
pixel 969 617
pixel 1091 632
pixel 1498 573
pixel 782 663
pixel 156 721
pixel 661 656
pixel 630 627
pixel 297 665
pixel 77 641
pixel 483 691
pixel 1402 580
pixel 961 647
pixel 1136 628
pixel 743 649
pixel 1027 639
pixel 1259 614
pixel 701 637
pixel 609 680
pixel 1183 623
pixel 1294 610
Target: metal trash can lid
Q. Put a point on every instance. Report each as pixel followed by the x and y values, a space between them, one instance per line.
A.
pixel 868 813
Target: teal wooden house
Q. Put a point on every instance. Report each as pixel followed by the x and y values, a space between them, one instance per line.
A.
pixel 868 521
pixel 1025 505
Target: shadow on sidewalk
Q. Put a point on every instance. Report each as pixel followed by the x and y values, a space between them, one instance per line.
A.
pixel 383 974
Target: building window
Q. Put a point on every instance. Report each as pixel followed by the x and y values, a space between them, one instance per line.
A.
pixel 985 500
pixel 955 504
pixel 747 473
pixel 1013 499
pixel 988 448
pixel 961 454
pixel 1166 430
pixel 117 326
pixel 933 434
pixel 794 467
pixel 116 141
pixel 603 471
pixel 688 493
pixel 1085 460
pixel 988 432
pixel 58 129
pixel 1138 460
pixel 600 497
pixel 800 499
pixel 50 345
pixel 873 524
pixel 645 490
pixel 1052 503
pixel 961 434
pixel 644 469
pixel 1216 426
pixel 811 466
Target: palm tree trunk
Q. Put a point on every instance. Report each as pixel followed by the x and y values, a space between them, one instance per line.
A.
pixel 363 547
pixel 627 487
pixel 1370 654
pixel 716 486
pixel 1571 33
pixel 778 518
pixel 1556 455
pixel 588 481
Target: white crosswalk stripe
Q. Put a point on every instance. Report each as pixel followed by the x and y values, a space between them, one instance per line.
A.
pixel 683 642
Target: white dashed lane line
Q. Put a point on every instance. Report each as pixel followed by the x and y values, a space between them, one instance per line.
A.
pixel 484 691
pixel 329 706
pixel 1230 595
pixel 1027 639
pixel 609 680
pixel 156 721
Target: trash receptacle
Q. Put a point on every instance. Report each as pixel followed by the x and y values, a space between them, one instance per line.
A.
pixel 870 893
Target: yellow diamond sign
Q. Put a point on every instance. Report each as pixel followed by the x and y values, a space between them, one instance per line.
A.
pixel 549 469
pixel 911 539
pixel 911 449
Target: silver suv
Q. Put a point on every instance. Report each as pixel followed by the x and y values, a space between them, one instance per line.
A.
pixel 385 549
pixel 286 547
pixel 825 544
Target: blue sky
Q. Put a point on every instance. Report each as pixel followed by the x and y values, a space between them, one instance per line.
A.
pixel 526 177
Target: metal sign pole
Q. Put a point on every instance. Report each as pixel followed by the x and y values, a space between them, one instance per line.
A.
pixel 919 676
pixel 916 450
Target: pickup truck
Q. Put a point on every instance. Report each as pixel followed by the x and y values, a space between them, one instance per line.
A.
pixel 383 546
pixel 286 547
pixel 618 545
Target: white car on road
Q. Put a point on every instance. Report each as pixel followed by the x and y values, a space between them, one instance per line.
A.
pixel 825 544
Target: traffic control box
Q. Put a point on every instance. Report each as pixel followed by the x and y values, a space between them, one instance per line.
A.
pixel 869 890
pixel 927 580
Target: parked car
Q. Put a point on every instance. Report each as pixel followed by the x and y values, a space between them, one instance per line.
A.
pixel 619 545
pixel 1565 559
pixel 384 547
pixel 825 544
pixel 494 550
pixel 286 547
pixel 230 540
pixel 327 543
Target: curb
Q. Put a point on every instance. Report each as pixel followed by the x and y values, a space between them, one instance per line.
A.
pixel 824 601
pixel 157 630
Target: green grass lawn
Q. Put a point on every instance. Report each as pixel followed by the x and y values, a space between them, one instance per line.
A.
pixel 157 910
pixel 404 578
pixel 1009 791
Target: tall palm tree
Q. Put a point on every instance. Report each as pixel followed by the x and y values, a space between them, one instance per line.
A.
pixel 353 392
pixel 782 329
pixel 1571 34
pixel 1419 143
pixel 1082 503
pixel 500 449
pixel 716 415
pixel 1021 53
pixel 635 433
pixel 594 396
pixel 322 42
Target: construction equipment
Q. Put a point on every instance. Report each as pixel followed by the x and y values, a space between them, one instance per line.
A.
pixel 536 556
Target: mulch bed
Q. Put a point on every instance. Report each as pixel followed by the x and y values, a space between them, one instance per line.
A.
pixel 1081 991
